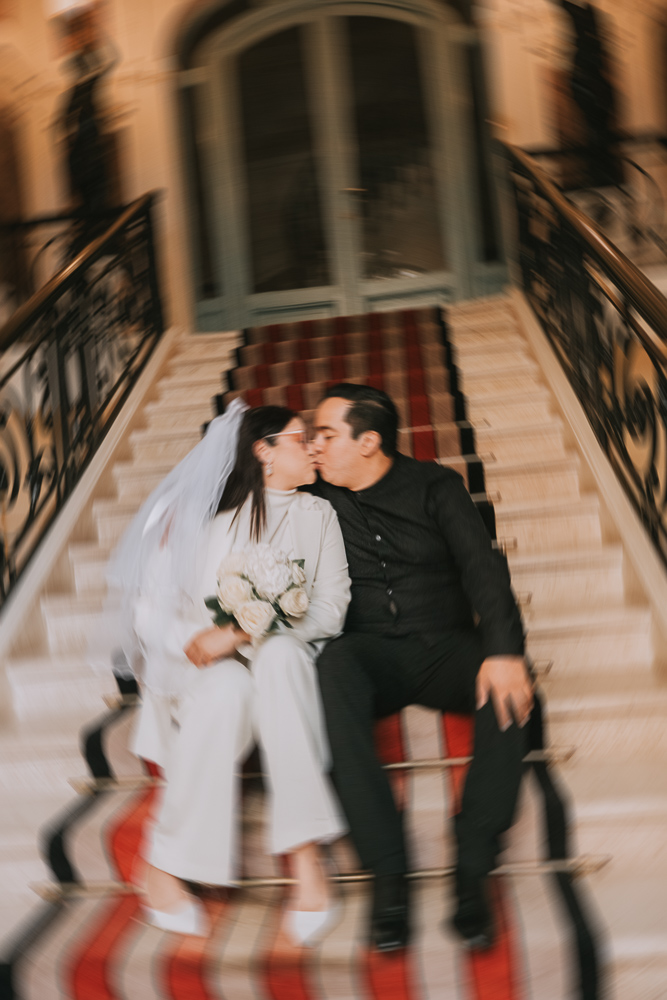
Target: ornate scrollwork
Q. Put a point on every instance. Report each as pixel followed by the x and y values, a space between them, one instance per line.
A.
pixel 603 346
pixel 64 379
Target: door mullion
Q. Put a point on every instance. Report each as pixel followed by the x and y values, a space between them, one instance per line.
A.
pixel 452 159
pixel 334 141
pixel 232 194
pixel 209 145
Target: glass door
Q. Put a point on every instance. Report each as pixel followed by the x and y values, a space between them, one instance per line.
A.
pixel 283 195
pixel 395 184
pixel 333 194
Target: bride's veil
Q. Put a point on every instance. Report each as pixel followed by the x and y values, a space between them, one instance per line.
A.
pixel 174 516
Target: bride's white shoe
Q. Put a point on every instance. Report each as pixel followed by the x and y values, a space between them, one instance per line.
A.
pixel 189 918
pixel 308 927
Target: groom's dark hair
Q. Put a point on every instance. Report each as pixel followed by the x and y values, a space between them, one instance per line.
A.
pixel 371 410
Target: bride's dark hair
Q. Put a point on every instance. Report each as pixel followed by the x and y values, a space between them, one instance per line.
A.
pixel 246 477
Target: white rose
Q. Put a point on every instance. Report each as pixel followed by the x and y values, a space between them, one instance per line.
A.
pixel 298 575
pixel 270 572
pixel 255 617
pixel 233 565
pixel 233 591
pixel 295 602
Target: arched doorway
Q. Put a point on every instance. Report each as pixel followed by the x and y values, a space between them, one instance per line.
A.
pixel 330 154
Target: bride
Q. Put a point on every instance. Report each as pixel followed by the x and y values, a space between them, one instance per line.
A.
pixel 207 693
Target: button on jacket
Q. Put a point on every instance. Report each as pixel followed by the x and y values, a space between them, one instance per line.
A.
pixel 421 559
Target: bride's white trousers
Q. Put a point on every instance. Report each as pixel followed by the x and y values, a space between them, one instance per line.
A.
pixel 223 710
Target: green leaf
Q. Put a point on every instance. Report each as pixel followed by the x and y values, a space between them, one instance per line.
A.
pixel 222 618
pixel 212 603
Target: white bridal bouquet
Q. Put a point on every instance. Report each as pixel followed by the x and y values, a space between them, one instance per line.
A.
pixel 257 590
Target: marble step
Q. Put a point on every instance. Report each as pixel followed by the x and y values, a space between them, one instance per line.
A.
pixel 88 561
pixel 523 441
pixel 69 620
pixel 196 388
pixel 220 351
pixel 54 686
pixel 111 518
pixel 476 335
pixel 38 767
pixel 640 976
pixel 479 367
pixel 576 578
pixel 220 338
pixel 18 904
pixel 547 525
pixel 198 370
pixel 35 765
pixel 166 445
pixel 634 914
pixel 188 395
pixel 479 363
pixel 166 416
pixel 533 479
pixel 631 924
pixel 619 807
pixel 491 308
pixel 532 406
pixel 510 445
pixel 615 807
pixel 613 716
pixel 501 385
pixel 484 308
pixel 592 640
pixel 468 343
pixel 481 318
pixel 136 480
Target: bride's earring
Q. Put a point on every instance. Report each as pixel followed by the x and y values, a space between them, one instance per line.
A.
pixel 268 468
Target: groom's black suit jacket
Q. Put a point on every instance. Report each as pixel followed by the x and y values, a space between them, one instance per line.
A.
pixel 421 560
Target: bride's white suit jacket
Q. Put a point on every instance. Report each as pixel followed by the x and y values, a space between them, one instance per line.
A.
pixel 316 538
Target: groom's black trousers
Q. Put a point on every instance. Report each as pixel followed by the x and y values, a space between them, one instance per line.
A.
pixel 363 677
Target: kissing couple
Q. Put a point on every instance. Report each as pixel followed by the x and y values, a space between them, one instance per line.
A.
pixel 401 600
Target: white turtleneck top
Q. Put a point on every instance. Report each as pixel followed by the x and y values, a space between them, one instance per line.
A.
pixel 164 633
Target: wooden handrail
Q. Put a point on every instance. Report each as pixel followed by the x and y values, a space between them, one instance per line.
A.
pixel 20 320
pixel 635 286
pixel 76 215
pixel 618 139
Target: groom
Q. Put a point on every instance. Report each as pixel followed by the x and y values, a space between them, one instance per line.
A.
pixel 432 621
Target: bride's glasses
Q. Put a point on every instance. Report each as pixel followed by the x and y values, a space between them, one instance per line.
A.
pixel 301 436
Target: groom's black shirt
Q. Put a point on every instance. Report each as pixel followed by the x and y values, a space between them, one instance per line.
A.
pixel 421 560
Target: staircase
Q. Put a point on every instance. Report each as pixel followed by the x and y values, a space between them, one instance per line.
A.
pixel 605 696
pixel 53 691
pixel 605 693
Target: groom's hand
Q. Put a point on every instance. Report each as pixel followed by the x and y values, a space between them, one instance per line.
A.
pixel 505 680
pixel 214 644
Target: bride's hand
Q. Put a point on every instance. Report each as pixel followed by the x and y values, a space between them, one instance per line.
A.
pixel 214 644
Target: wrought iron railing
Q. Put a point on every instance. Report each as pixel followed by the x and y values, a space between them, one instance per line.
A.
pixel 630 205
pixel 32 251
pixel 608 326
pixel 69 358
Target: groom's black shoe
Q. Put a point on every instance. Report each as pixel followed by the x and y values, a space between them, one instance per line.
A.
pixel 389 914
pixel 473 918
